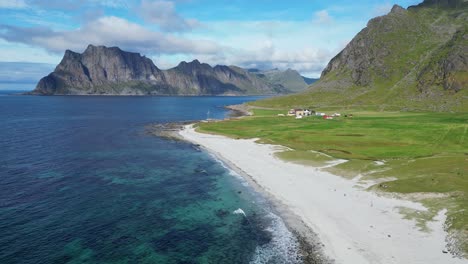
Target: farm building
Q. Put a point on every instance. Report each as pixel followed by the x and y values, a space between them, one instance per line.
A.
pixel 299 112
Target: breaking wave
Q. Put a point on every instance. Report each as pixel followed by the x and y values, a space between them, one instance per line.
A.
pixel 283 247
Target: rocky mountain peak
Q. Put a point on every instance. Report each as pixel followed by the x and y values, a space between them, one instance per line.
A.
pixel 443 3
pixel 70 55
pixel 193 66
pixel 110 70
pixel 417 55
pixel 397 9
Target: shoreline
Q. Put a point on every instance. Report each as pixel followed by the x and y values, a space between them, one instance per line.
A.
pixel 311 248
pixel 353 225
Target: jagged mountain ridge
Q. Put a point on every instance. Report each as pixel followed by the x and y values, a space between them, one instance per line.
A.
pixel 410 59
pixel 100 70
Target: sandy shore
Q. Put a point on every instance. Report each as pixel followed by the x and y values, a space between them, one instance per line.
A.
pixel 355 226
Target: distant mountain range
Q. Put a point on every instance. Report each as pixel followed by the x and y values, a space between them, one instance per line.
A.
pixel 410 59
pixel 288 78
pixel 101 70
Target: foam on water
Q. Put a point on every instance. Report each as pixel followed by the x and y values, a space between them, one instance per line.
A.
pixel 230 170
pixel 239 211
pixel 283 247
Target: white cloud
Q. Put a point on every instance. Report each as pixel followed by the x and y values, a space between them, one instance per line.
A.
pixel 110 31
pixel 163 13
pixel 77 4
pixel 111 3
pixel 322 17
pixel 307 60
pixel 12 4
pixel 306 46
pixel 24 72
pixel 302 45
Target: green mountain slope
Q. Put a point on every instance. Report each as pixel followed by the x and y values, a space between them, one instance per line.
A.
pixel 415 60
pixel 289 79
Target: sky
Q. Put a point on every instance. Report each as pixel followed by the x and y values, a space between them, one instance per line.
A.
pixel 299 34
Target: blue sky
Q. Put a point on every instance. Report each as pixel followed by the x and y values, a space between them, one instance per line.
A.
pixel 303 35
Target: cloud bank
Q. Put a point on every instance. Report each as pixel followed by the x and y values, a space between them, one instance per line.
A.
pixel 302 35
pixel 23 72
pixel 109 31
pixel 163 13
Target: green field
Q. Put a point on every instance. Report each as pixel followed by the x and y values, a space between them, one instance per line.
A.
pixel 425 154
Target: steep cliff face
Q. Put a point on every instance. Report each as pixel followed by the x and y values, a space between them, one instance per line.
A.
pixel 200 78
pixel 409 59
pixel 392 46
pixel 449 67
pixel 102 70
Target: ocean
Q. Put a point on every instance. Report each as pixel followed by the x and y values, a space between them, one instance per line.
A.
pixel 81 181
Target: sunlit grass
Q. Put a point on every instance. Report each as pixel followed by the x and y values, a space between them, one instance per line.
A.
pixel 422 152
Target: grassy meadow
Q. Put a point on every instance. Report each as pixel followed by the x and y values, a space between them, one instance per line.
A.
pixel 422 156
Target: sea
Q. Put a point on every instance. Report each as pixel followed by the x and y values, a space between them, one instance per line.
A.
pixel 82 181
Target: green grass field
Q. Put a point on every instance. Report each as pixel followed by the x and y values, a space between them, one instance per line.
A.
pixel 424 153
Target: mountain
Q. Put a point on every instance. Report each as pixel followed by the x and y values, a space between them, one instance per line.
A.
pixel 414 59
pixel 289 79
pixel 101 70
pixel 200 78
pixel 309 81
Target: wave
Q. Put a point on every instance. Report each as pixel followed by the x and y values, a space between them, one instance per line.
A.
pixel 283 247
pixel 239 211
pixel 231 171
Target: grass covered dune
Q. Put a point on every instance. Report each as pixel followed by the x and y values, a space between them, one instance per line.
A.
pixel 422 157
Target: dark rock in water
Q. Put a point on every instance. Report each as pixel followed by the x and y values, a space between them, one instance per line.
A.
pixel 167 130
pixel 101 70
pixel 222 213
pixel 201 171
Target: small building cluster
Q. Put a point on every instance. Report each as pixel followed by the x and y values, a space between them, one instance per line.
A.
pixel 300 113
pixel 325 116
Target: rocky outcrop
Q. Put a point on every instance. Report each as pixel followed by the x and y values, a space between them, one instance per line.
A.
pixel 110 71
pixel 450 68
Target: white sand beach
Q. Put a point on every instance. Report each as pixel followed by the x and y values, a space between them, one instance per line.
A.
pixel 356 226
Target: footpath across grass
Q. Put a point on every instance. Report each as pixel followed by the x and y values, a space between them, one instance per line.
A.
pixel 419 155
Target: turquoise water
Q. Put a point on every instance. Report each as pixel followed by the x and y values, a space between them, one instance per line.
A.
pixel 82 182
